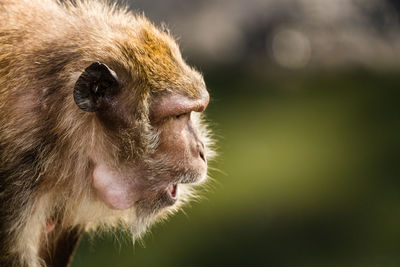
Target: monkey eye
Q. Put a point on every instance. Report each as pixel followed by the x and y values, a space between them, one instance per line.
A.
pixel 171 117
pixel 181 115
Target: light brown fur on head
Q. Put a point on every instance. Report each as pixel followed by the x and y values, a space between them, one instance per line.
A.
pixel 49 147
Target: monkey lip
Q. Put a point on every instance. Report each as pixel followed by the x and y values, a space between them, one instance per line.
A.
pixel 172 191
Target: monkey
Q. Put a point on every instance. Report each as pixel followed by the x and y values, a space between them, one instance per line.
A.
pixel 101 126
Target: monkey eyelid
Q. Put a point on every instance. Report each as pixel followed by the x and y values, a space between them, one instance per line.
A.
pixel 171 117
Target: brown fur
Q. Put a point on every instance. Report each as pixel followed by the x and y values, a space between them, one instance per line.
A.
pixel 46 141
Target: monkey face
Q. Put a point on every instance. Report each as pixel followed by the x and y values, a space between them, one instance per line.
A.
pixel 161 150
pixel 180 159
pixel 181 152
pixel 176 117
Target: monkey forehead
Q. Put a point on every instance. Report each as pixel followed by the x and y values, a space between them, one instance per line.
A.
pixel 156 57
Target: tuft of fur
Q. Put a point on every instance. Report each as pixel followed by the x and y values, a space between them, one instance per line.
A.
pixel 45 140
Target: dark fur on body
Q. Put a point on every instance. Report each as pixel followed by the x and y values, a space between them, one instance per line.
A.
pixel 46 141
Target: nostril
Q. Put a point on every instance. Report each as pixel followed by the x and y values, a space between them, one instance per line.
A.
pixel 202 155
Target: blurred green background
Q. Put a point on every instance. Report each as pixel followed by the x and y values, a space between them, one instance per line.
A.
pixel 308 138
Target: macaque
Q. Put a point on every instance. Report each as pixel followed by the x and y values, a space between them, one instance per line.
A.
pixel 101 125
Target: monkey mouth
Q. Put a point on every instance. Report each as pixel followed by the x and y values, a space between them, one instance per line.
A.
pixel 170 194
pixel 172 191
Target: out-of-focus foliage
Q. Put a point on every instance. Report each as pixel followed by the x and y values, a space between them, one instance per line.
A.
pixel 291 33
pixel 308 171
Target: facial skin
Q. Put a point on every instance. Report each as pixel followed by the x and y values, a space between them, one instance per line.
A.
pixel 180 138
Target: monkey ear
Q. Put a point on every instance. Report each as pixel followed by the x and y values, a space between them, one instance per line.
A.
pixel 95 83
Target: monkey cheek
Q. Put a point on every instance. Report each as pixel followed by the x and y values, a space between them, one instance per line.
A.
pixel 117 193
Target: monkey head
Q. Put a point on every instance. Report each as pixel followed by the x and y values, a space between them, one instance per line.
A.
pixel 101 124
pixel 146 104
